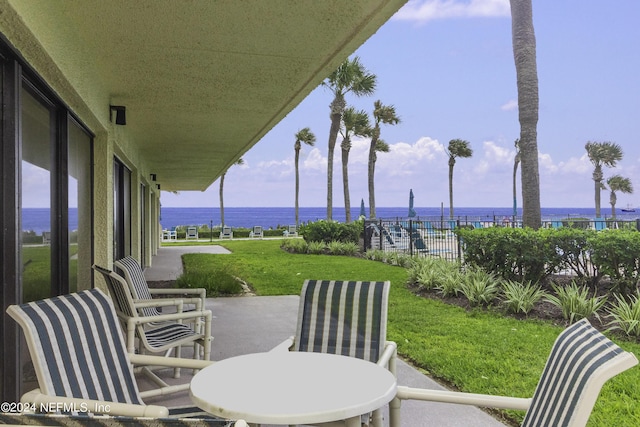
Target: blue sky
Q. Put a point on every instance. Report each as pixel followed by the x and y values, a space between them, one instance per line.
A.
pixel 447 66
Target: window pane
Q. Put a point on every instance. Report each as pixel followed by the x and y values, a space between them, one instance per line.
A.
pixel 79 208
pixel 36 199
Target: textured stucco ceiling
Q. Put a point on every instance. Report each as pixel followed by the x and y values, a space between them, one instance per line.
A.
pixel 202 80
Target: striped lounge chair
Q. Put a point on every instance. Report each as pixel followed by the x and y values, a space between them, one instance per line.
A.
pixel 347 318
pixel 134 275
pixel 186 299
pixel 81 362
pixel 160 333
pixel 581 361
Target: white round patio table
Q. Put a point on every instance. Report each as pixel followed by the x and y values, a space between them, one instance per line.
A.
pixel 282 387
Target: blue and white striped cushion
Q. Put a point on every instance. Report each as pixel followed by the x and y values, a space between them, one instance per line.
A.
pixel 340 317
pixel 158 336
pixel 79 350
pixel 135 276
pixel 577 355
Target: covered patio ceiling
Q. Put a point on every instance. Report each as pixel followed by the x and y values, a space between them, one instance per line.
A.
pixel 202 80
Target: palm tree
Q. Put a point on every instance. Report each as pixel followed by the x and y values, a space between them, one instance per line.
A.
pixel 381 114
pixel 350 76
pixel 516 161
pixel 620 184
pixel 303 136
pixel 356 123
pixel 602 154
pixel 524 54
pixel 457 148
pixel 240 161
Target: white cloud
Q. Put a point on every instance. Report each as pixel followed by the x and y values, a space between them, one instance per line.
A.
pixel 510 105
pixel 410 159
pixel 545 164
pixel 315 161
pixel 495 158
pixel 427 10
pixel 575 165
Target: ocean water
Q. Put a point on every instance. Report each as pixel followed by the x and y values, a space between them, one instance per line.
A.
pixel 37 219
pixel 273 217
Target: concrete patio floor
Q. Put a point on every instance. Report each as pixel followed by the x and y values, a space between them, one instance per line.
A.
pixel 251 324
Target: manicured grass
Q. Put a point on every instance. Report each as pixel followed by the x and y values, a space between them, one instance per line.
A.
pixel 476 351
pixel 36 271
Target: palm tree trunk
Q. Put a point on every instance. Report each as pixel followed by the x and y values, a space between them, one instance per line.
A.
pixel 371 170
pixel 345 184
pixel 613 199
pixel 222 201
pixel 597 179
pixel 337 108
pixel 515 191
pixel 597 196
pixel 452 162
pixel 524 53
pixel 297 157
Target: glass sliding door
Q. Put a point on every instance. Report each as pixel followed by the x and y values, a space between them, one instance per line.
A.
pixel 46 207
pixel 143 225
pixel 36 173
pixel 121 210
pixel 80 201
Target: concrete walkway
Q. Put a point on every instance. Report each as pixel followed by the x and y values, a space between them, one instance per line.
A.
pixel 253 324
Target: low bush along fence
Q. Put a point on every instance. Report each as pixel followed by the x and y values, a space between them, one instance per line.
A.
pixel 526 254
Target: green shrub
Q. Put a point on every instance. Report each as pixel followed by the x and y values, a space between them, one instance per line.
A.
pixel 297 246
pixel 626 315
pixel 451 279
pixel 480 287
pixel 343 248
pixel 521 297
pixel 316 248
pixel 572 251
pixel 510 253
pixel 376 255
pixel 329 231
pixel 217 280
pixel 414 269
pixel 400 259
pixel 424 272
pixel 616 253
pixel 575 302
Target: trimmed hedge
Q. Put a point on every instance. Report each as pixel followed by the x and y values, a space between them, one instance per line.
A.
pixel 331 231
pixel 527 254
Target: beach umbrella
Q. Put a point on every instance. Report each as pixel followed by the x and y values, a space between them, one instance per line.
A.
pixel 362 212
pixel 412 211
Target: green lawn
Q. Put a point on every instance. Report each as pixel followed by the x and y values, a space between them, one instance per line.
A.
pixel 476 351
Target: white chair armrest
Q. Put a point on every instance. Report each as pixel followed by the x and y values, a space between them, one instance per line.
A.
pixel 445 396
pixel 284 345
pixel 144 303
pixel 201 292
pixel 96 406
pixel 172 316
pixel 389 352
pixel 172 362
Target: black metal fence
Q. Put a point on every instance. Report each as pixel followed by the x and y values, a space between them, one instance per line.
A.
pixel 434 236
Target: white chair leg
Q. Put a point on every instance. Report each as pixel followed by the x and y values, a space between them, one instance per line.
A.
pixel 394 412
pixel 376 418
